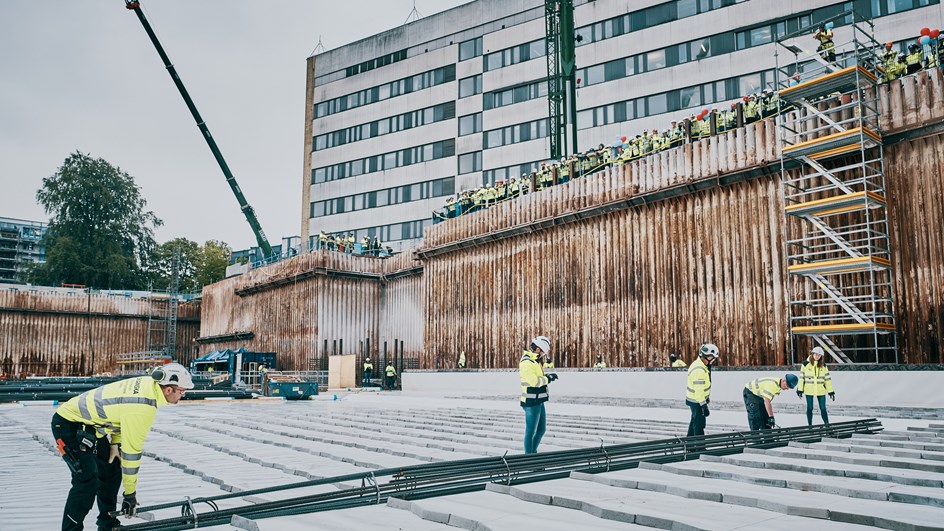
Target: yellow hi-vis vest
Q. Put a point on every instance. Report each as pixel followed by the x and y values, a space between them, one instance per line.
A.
pixel 815 381
pixel 391 371
pixel 533 381
pixel 368 366
pixel 124 410
pixel 679 363
pixel 764 387
pixel 698 388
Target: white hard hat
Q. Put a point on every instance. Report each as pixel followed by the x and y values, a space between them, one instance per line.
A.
pixel 173 374
pixel 818 350
pixel 709 349
pixel 542 343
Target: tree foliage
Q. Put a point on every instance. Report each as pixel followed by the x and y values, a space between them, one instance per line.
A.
pixel 198 265
pixel 100 234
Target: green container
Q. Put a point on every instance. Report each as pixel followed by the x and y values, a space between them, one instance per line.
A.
pixel 293 390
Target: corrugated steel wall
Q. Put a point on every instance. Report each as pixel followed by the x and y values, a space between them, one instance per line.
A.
pixel 700 259
pixel 50 333
pixel 315 305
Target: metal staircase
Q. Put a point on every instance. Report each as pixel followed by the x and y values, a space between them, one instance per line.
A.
pixel 840 289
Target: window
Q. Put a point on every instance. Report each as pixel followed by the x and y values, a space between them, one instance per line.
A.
pixel 749 84
pixel 686 8
pixel 470 86
pixel 690 97
pixel 394 88
pixel 470 124
pixel 469 49
pixel 470 162
pixel 655 59
pixel 760 36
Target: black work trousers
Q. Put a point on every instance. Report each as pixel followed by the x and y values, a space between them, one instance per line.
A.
pixel 756 411
pixel 97 478
pixel 696 426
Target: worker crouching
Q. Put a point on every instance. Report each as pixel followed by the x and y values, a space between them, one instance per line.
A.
pixel 100 435
pixel 534 391
pixel 758 400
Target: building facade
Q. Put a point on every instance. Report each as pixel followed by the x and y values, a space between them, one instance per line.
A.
pixel 21 245
pixel 397 122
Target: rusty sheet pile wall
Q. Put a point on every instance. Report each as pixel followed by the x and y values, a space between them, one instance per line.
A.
pixel 316 305
pixel 681 247
pixel 50 332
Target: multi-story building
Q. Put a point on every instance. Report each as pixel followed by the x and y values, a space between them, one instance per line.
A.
pixel 21 244
pixel 400 120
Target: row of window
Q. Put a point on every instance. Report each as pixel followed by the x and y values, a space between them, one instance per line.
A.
pixel 470 162
pixel 392 89
pixel 402 122
pixel 673 100
pixel 470 86
pixel 377 62
pixel 387 233
pixel 509 96
pixel 387 196
pixel 492 176
pixel 470 49
pixel 386 161
pixel 470 124
pixel 515 54
pixel 514 134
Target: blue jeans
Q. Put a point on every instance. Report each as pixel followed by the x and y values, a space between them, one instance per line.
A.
pixel 822 409
pixel 535 422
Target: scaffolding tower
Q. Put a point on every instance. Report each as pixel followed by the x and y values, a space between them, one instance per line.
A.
pixel 840 291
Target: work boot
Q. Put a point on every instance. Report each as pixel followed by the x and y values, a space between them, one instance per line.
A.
pixel 108 525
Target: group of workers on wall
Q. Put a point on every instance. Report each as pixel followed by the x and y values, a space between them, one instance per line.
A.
pixel 347 243
pixel 926 52
pixel 814 382
pixel 390 375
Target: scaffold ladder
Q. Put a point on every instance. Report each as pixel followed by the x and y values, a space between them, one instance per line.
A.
pixel 838 253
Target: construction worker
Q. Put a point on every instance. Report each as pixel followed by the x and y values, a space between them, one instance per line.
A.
pixel 815 381
pixel 534 391
pixel 368 371
pixel 600 364
pixel 914 59
pixel 826 48
pixel 889 59
pixel 758 399
pixel 391 373
pixel 461 363
pixel 675 362
pixel 101 433
pixel 548 363
pixel 698 388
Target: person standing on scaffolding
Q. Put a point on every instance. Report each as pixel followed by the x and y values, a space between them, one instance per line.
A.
pixel 826 49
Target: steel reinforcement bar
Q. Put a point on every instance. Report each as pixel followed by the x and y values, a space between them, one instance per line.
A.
pixel 454 477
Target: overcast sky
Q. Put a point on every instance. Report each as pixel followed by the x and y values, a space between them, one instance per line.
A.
pixel 82 75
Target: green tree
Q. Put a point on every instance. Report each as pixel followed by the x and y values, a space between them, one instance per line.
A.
pixel 100 233
pixel 198 265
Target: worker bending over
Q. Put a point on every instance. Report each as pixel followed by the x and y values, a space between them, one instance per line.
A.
pixel 101 433
pixel 675 362
pixel 758 399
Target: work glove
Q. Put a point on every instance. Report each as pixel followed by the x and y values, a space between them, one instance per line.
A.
pixel 704 410
pixel 129 505
pixel 832 396
pixel 799 393
pixel 112 453
pixel 771 422
pixel 551 376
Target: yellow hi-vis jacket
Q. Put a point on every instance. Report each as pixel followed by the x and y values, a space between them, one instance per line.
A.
pixel 533 381
pixel 391 371
pixel 699 383
pixel 548 365
pixel 368 366
pixel 679 363
pixel 815 381
pixel 124 410
pixel 764 387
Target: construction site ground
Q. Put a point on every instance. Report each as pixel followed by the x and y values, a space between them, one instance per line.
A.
pixel 892 480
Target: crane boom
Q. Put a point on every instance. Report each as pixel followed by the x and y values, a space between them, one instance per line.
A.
pixel 250 214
